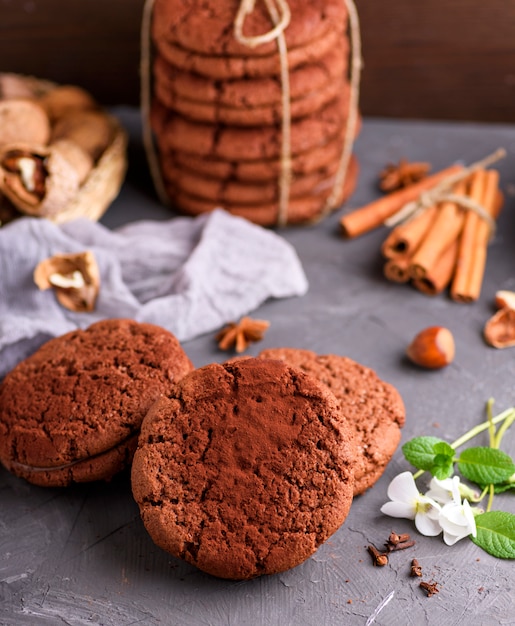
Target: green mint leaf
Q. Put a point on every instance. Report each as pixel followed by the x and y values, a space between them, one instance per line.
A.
pixel 496 534
pixel 420 451
pixel 443 448
pixel 486 466
pixel 443 466
pixel 501 488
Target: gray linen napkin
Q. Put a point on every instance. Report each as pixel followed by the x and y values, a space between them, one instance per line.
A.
pixel 189 275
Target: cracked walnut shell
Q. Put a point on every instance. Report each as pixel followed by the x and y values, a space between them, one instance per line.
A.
pixel 499 331
pixel 39 180
pixel 75 279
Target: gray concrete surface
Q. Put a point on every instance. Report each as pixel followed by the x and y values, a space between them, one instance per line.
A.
pixel 81 555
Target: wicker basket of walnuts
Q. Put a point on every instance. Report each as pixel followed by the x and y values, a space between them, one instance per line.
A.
pixel 61 155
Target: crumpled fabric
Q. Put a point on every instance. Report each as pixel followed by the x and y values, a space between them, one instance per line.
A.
pixel 189 275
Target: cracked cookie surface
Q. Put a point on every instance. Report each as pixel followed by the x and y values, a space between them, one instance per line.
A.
pixel 306 208
pixel 221 67
pixel 245 469
pixel 207 26
pixel 175 132
pixel 373 407
pixel 71 412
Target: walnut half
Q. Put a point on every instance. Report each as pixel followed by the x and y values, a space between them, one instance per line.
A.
pixel 74 277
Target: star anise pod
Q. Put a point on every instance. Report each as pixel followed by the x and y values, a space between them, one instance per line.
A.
pixel 241 334
pixel 402 174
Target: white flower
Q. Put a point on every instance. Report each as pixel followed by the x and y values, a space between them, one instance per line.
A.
pixel 407 501
pixel 457 521
pixel 445 491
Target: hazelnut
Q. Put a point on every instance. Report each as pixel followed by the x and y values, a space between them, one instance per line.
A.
pixel 432 348
pixel 505 299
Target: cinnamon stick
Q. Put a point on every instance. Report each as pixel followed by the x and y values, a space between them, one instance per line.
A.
pixel 444 230
pixel 468 277
pixel 372 215
pixel 437 277
pixel 405 239
pixel 477 269
pixel 397 269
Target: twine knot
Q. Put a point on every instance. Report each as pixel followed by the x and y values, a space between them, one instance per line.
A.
pixel 281 17
pixel 442 193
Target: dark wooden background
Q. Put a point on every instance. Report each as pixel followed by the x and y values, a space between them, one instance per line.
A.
pixel 435 59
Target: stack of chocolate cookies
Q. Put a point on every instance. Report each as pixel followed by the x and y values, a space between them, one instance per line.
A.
pixel 217 111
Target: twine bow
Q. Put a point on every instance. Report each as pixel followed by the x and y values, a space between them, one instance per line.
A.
pixel 441 193
pixel 281 17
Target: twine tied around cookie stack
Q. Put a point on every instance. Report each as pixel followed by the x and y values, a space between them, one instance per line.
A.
pixel 195 182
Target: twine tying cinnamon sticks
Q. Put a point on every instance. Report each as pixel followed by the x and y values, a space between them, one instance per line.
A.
pixel 440 193
pixel 280 15
pixel 442 226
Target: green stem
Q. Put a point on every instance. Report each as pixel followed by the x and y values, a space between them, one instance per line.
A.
pixel 484 492
pixel 502 430
pixel 491 490
pixel 473 432
pixel 491 425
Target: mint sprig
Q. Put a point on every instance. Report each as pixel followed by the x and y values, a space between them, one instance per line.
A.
pixel 421 452
pixel 487 466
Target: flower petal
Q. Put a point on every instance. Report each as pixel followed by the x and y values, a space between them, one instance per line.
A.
pixel 444 491
pixel 451 539
pixel 469 516
pixel 454 514
pixel 457 522
pixel 427 526
pixel 399 509
pixel 403 488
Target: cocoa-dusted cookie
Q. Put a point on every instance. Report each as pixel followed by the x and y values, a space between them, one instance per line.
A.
pixel 230 67
pixel 245 469
pixel 236 192
pixel 175 132
pixel 72 411
pixel 260 170
pixel 256 92
pixel 303 209
pixel 373 408
pixel 206 27
pixel 268 114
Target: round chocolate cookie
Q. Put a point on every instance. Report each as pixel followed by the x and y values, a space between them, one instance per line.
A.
pixel 257 92
pixel 267 114
pixel 308 162
pixel 175 132
pixel 245 66
pixel 235 192
pixel 72 411
pixel 302 209
pixel 245 469
pixel 373 407
pixel 207 26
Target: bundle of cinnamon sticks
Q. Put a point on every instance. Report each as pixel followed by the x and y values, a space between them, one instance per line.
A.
pixel 442 244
